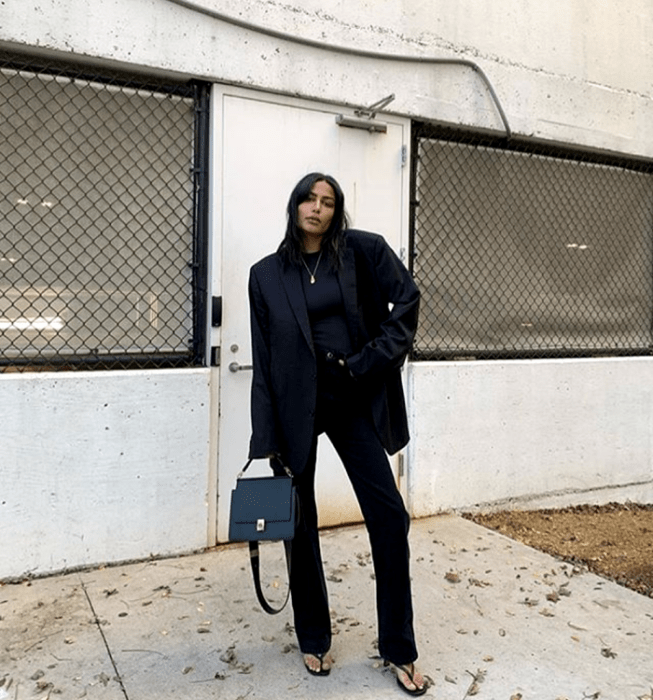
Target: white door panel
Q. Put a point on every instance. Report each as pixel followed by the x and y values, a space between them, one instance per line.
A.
pixel 264 145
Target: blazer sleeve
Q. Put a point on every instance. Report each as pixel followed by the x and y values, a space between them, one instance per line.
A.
pixel 264 440
pixel 394 287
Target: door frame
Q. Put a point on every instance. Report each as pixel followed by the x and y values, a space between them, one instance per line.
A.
pixel 217 492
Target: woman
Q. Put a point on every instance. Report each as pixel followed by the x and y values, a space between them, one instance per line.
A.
pixel 333 315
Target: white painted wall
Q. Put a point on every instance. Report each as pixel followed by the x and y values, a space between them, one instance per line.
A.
pixel 493 431
pixel 109 466
pixel 102 466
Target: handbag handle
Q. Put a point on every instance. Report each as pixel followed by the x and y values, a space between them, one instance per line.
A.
pixel 249 461
pixel 254 560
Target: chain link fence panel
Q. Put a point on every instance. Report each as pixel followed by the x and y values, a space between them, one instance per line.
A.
pixel 526 251
pixel 97 219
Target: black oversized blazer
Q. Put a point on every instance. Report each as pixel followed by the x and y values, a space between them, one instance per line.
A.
pixel 381 305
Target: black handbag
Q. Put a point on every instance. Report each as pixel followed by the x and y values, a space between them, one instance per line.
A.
pixel 264 508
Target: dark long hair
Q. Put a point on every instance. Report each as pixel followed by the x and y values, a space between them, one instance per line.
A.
pixel 333 240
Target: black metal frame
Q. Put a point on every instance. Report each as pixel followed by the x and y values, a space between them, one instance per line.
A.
pixel 201 222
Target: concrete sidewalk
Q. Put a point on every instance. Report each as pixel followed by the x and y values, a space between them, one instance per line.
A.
pixel 494 620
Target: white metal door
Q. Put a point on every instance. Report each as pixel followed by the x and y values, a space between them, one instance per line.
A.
pixel 264 145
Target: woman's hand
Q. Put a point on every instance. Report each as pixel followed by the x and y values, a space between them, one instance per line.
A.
pixel 276 464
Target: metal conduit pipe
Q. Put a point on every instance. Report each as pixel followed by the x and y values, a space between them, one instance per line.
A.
pixel 350 50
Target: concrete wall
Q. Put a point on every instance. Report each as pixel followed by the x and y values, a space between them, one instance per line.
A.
pixel 513 432
pixel 102 466
pixel 109 466
pixel 573 72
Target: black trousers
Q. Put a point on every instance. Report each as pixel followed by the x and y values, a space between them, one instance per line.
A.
pixel 343 414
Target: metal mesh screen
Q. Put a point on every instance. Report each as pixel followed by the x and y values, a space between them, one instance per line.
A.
pixel 97 220
pixel 529 252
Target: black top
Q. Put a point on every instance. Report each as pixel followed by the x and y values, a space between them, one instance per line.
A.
pixel 326 311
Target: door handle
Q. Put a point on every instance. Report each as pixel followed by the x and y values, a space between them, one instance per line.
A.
pixel 235 367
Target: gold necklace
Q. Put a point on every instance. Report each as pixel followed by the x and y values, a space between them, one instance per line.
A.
pixel 312 274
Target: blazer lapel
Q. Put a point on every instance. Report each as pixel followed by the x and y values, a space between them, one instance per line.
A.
pixel 347 279
pixel 292 283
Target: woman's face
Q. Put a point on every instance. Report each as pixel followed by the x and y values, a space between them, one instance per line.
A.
pixel 314 216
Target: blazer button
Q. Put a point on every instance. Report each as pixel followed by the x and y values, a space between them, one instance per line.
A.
pixel 329 355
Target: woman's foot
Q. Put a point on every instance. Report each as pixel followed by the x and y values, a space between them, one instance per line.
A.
pixel 318 664
pixel 409 679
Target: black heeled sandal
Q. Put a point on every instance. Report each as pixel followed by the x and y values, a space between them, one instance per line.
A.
pixel 410 672
pixel 321 658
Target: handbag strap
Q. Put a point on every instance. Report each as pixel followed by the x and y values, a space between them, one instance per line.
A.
pixel 256 575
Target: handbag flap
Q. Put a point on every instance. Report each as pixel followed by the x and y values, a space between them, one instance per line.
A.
pixel 268 498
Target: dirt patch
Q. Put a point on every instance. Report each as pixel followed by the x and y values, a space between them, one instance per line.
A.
pixel 613 540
